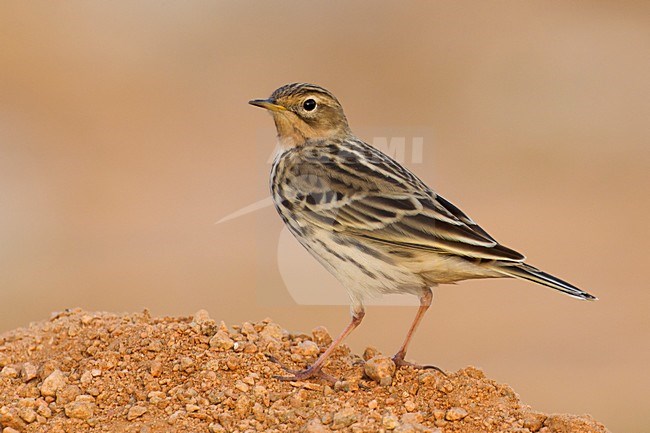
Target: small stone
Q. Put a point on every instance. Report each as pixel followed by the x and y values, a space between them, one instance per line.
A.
pixel 405 428
pixel 344 418
pixel 28 371
pixel 409 406
pixel 321 336
pixel 249 331
pixel 52 383
pixel 186 364
pixel 241 386
pixel 9 430
pixel 156 397
pixel 233 363
pixel 389 421
pixel 243 405
pixel 534 421
pixel 27 414
pixel 380 369
pixel 216 428
pixel 9 372
pixel 86 378
pixel 9 418
pixel 455 414
pixel 414 418
pixel 155 368
pixel 96 372
pixel 272 330
pixel 221 341
pixel 190 408
pixel 201 317
pixel 315 426
pixel 308 349
pixel 342 386
pixel 372 404
pixel 370 352
pixel 79 409
pixel 474 373
pixel 66 394
pixel 212 365
pixel 427 378
pixel 43 410
pixel 135 412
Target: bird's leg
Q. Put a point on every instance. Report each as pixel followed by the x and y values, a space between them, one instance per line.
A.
pixel 398 358
pixel 315 370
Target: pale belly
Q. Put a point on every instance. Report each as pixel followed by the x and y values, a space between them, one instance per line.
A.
pixel 365 271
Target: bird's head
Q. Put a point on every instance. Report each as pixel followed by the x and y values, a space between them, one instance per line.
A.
pixel 304 111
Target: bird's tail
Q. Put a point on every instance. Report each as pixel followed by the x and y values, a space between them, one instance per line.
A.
pixel 530 273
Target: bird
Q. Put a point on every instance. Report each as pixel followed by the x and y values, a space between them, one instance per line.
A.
pixel 370 221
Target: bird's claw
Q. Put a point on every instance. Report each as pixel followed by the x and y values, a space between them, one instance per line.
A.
pixel 307 373
pixel 401 362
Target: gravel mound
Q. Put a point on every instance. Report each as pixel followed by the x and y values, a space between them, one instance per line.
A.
pixel 101 372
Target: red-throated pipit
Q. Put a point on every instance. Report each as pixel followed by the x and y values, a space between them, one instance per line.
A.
pixel 371 222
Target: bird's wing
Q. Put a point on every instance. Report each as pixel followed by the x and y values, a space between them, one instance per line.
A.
pixel 373 197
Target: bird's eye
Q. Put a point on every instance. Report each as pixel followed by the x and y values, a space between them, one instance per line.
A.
pixel 309 104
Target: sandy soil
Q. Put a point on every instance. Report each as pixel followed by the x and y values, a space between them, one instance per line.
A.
pixel 82 371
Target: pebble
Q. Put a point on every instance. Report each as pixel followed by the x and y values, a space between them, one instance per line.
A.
pixel 455 414
pixel 216 428
pixel 241 386
pixel 344 418
pixel 66 394
pixel 28 371
pixel 80 409
pixel 272 330
pixel 405 428
pixel 370 352
pixel 43 409
pixel 380 369
pixel 9 430
pixel 186 364
pixel 243 405
pixel 27 414
pixel 409 406
pixel 249 331
pixel 321 336
pixel 221 341
pixel 412 418
pixel 135 412
pixel 52 383
pixel 10 372
pixel 156 397
pixel 389 421
pixel 156 368
pixel 315 426
pixel 201 317
pixel 86 378
pixel 534 421
pixel 308 349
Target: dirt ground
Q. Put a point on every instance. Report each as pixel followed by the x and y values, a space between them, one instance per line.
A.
pixel 82 371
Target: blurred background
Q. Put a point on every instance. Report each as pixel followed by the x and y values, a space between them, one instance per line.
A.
pixel 125 134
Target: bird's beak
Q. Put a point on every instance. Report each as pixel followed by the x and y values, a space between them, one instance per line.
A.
pixel 269 104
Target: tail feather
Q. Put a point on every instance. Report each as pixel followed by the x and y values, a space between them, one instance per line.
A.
pixel 531 273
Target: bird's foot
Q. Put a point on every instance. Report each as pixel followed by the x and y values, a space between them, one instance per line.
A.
pixel 308 373
pixel 401 362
